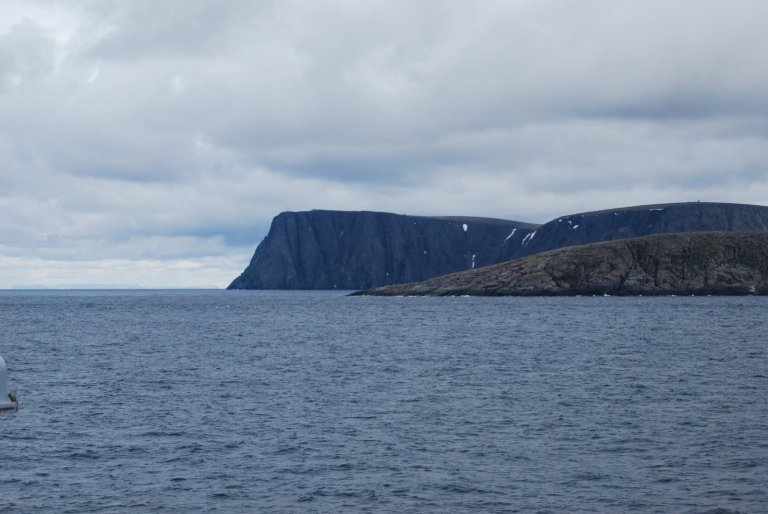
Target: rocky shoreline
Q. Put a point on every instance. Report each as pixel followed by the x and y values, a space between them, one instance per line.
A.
pixel 691 263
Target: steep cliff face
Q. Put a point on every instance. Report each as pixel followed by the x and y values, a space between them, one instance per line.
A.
pixel 627 222
pixel 355 250
pixel 361 250
pixel 720 263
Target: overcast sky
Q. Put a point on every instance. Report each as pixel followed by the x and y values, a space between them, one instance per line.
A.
pixel 149 143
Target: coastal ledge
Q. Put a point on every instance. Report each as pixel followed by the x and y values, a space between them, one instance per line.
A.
pixel 690 263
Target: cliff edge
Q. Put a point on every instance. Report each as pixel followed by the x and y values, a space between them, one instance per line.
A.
pixel 364 250
pixel 357 250
pixel 642 220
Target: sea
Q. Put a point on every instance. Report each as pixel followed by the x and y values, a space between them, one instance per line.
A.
pixel 315 401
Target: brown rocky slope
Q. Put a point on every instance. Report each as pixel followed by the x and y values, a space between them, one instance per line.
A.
pixel 717 263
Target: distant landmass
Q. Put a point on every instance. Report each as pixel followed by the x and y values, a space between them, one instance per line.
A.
pixel 366 250
pixel 698 263
pixel 356 250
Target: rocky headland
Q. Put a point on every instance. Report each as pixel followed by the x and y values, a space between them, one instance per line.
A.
pixel 356 250
pixel 693 263
pixel 643 220
pixel 364 250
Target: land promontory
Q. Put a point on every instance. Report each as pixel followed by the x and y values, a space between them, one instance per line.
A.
pixel 363 250
pixel 692 263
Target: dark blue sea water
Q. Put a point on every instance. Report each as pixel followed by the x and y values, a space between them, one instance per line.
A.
pixel 245 401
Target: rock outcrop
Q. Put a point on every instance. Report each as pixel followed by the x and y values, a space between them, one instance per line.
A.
pixel 694 263
pixel 356 250
pixel 627 222
pixel 362 250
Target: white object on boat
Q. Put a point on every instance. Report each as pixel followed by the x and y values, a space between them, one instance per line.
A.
pixel 8 399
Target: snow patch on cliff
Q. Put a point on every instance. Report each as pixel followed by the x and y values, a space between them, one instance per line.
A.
pixel 528 238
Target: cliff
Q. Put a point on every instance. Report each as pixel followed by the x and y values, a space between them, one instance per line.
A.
pixel 717 263
pixel 356 250
pixel 627 222
pixel 362 250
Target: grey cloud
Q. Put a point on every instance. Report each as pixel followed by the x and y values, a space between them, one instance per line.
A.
pixel 145 29
pixel 306 85
pixel 141 125
pixel 26 54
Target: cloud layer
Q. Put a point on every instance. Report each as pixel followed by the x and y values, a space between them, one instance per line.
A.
pixel 149 144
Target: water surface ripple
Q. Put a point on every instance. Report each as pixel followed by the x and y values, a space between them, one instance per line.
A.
pixel 246 401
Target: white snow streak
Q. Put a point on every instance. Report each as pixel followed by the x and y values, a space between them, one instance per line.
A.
pixel 527 238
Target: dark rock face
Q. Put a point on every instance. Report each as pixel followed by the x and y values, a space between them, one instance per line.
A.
pixel 628 222
pixel 355 250
pixel 718 263
pixel 361 250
